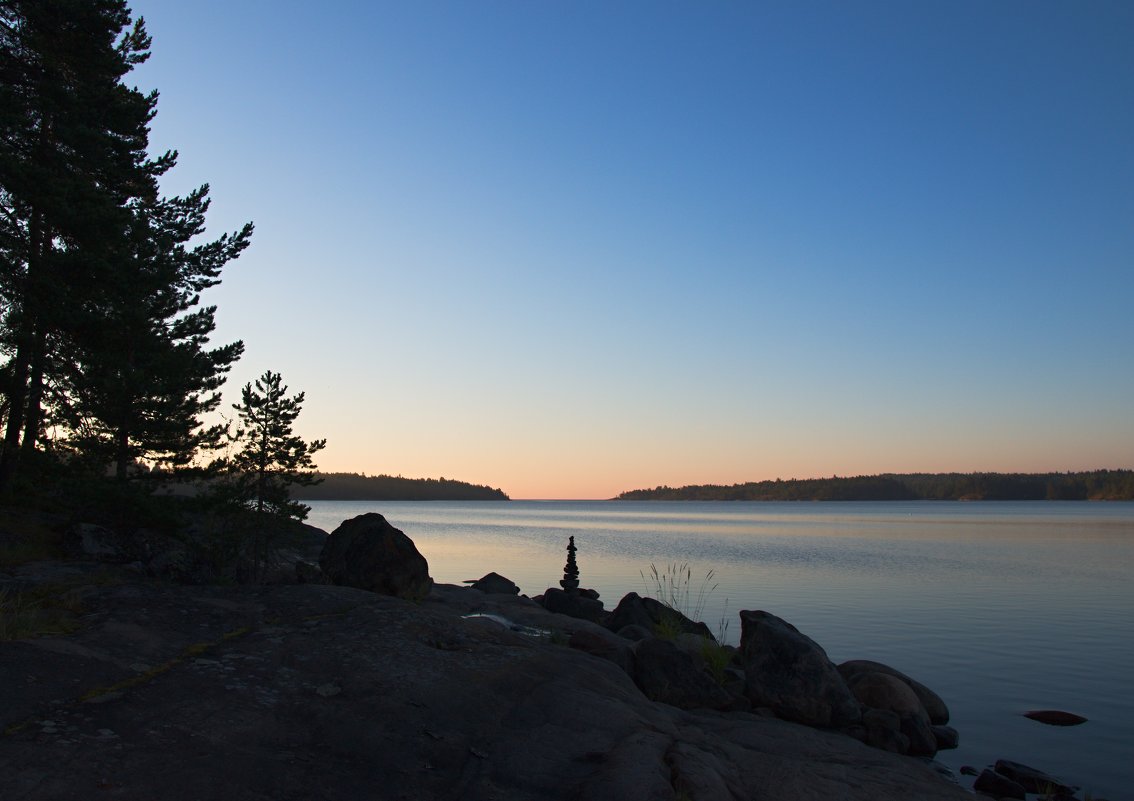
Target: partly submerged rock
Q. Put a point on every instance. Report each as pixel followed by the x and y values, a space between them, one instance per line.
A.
pixel 368 553
pixel 1054 717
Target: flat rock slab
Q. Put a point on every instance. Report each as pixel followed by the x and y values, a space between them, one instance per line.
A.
pixel 323 692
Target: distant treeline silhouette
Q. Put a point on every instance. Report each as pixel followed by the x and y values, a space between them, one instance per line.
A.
pixel 359 487
pixel 1110 485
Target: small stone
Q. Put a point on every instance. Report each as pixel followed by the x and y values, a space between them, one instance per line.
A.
pixel 328 690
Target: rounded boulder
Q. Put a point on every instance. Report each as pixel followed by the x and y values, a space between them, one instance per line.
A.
pixel 368 553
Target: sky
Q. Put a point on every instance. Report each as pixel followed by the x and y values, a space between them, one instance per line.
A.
pixel 568 249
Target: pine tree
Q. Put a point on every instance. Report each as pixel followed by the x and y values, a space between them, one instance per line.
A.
pixel 100 284
pixel 271 456
pixel 73 142
pixel 142 376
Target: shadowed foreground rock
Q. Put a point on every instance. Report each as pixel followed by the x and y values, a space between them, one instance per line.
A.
pixel 368 553
pixel 328 692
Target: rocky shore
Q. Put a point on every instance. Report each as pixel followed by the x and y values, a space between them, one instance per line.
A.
pixel 317 691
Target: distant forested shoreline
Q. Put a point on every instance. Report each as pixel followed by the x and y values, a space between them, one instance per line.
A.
pixel 1097 485
pixel 360 487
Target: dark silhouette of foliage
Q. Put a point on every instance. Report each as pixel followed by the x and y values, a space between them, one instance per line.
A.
pixel 105 342
pixel 73 142
pixel 358 487
pixel 271 457
pixel 142 377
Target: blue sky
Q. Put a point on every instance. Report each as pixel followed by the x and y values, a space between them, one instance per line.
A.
pixel 568 249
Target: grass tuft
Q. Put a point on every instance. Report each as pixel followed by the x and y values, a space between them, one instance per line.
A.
pixel 674 587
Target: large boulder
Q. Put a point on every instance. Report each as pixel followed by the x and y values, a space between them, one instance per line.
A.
pixel 935 707
pixel 655 616
pixel 790 673
pixel 368 553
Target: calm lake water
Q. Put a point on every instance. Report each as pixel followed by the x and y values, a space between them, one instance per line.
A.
pixel 999 607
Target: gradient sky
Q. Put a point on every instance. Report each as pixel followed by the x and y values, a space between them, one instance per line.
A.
pixel 572 248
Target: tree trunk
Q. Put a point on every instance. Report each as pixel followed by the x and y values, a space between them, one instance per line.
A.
pixel 35 326
pixel 34 414
pixel 17 395
pixel 122 453
pixel 262 475
pixel 17 389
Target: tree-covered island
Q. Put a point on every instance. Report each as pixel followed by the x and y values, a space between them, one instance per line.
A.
pixel 361 487
pixel 1095 485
